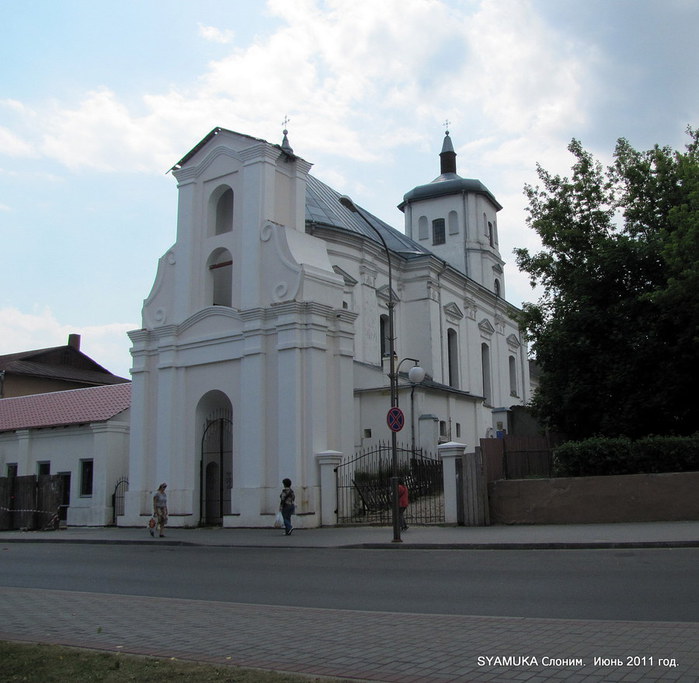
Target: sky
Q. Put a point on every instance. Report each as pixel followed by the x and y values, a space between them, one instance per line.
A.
pixel 99 99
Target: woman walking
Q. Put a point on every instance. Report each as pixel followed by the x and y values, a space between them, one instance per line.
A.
pixel 286 505
pixel 160 508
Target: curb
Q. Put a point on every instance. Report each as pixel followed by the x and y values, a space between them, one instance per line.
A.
pixel 543 545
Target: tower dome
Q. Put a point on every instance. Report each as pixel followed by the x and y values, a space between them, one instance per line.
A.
pixel 455 218
pixel 448 181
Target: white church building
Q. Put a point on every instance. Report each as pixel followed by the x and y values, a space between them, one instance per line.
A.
pixel 264 339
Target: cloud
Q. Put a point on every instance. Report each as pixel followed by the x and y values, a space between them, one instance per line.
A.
pixel 100 133
pixel 14 146
pixel 107 344
pixel 356 80
pixel 216 35
pixel 370 82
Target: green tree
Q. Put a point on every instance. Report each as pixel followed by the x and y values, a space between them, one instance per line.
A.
pixel 616 330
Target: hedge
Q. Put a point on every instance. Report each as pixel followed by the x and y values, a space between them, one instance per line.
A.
pixel 603 456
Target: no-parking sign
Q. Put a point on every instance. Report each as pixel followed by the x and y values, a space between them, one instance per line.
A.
pixel 395 419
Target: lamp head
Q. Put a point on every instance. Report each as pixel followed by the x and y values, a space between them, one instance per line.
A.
pixel 416 374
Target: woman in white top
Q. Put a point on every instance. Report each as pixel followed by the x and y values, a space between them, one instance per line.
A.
pixel 160 508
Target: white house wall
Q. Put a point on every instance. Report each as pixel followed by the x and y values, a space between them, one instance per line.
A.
pixel 105 443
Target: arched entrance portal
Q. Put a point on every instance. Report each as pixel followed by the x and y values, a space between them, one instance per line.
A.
pixel 216 467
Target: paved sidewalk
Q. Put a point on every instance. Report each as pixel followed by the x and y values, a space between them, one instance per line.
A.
pixel 638 535
pixel 370 646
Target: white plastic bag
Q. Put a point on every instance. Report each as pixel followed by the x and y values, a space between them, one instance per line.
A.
pixel 278 521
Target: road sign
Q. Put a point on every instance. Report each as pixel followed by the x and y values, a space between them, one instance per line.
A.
pixel 395 419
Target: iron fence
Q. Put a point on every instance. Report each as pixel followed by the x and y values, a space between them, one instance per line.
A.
pixel 364 486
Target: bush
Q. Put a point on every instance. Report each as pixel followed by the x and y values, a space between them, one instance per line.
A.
pixel 602 456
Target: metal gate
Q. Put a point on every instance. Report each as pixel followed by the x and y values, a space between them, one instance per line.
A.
pixel 364 486
pixel 122 486
pixel 216 467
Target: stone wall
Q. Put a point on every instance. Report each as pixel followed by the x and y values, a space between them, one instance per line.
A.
pixel 589 500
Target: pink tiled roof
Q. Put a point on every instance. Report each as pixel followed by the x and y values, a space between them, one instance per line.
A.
pixel 60 408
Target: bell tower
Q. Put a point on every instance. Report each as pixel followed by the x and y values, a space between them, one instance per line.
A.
pixel 456 219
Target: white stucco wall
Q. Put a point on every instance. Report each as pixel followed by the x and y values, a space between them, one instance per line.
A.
pixel 105 443
pixel 278 358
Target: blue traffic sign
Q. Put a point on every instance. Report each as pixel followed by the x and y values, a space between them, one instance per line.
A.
pixel 395 419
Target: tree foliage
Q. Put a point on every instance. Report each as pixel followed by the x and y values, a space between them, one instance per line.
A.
pixel 616 330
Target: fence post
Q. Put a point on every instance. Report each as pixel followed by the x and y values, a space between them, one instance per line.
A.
pixel 327 462
pixel 476 506
pixel 448 453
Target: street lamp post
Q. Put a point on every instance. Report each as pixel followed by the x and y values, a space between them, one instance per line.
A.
pixel 392 377
pixel 415 375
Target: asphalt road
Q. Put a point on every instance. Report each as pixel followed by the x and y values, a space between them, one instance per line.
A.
pixel 636 585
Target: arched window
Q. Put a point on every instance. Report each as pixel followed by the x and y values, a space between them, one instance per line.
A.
pixel 513 376
pixel 485 365
pixel 496 287
pixel 422 228
pixel 220 212
pixel 221 277
pixel 491 234
pixel 438 231
pixel 385 336
pixel 453 357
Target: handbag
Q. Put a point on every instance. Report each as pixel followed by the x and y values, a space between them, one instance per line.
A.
pixel 151 526
pixel 278 521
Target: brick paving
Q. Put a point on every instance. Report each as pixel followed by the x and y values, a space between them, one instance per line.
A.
pixel 370 646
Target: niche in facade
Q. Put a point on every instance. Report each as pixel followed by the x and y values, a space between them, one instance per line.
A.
pixel 220 212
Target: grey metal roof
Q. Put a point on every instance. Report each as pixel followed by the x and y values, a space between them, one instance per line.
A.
pixel 447 184
pixel 323 208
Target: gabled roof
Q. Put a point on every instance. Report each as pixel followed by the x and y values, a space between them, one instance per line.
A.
pixel 62 408
pixel 284 147
pixel 58 362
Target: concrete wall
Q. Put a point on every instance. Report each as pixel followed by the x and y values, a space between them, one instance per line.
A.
pixel 588 500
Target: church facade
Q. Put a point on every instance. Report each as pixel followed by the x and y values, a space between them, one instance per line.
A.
pixel 264 340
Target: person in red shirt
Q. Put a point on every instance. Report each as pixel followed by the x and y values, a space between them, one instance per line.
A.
pixel 402 503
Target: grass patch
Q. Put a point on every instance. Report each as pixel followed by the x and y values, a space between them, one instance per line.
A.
pixel 33 663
